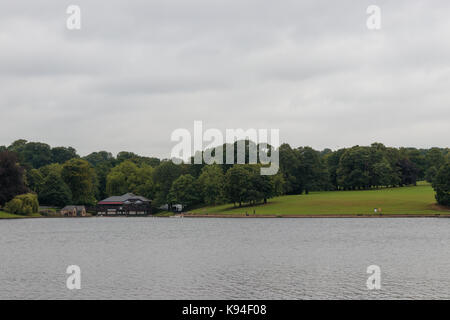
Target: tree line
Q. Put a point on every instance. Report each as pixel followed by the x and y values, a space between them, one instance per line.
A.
pixel 59 176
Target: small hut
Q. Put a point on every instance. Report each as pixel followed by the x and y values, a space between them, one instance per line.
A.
pixel 73 211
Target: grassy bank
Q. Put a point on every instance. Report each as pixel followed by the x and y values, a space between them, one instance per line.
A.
pixel 414 200
pixel 6 215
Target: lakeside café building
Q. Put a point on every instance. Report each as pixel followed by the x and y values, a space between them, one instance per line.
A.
pixel 127 204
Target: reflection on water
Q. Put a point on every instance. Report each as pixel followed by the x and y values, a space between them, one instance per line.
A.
pixel 163 258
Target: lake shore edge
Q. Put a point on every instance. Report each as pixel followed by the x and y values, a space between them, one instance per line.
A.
pixel 317 216
pixel 235 216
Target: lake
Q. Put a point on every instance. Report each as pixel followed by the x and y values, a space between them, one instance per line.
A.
pixel 207 258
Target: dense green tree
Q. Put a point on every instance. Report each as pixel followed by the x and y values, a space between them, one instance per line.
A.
pixel 353 170
pixel 262 186
pixel 238 181
pixel 54 167
pixel 80 177
pixel 441 185
pixel 17 146
pixel 97 158
pixel 383 175
pixel 332 162
pixel 434 158
pixel 290 167
pixel 408 172
pixel 150 161
pixel 102 162
pixel 101 171
pixel 245 184
pixel 164 175
pixel 36 154
pixel 24 204
pixel 139 160
pixel 128 177
pixel 211 182
pixel 367 167
pixel 121 178
pixel 12 179
pixel 313 172
pixel 431 174
pixel 34 180
pixel 185 191
pixel 125 155
pixel 145 185
pixel 63 154
pixel 417 157
pixel 54 191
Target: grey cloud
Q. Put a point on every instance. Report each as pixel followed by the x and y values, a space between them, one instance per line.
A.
pixel 139 69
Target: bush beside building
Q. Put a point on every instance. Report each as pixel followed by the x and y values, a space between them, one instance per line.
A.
pixel 24 204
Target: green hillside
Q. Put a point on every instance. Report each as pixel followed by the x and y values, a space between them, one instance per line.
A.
pixel 407 200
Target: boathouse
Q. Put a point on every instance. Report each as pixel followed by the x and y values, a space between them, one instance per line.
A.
pixel 73 211
pixel 127 204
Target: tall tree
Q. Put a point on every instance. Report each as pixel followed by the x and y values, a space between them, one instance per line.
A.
pixel 102 162
pixel 313 173
pixel 353 170
pixel 290 167
pixel 164 175
pixel 211 183
pixel 128 177
pixel 12 181
pixel 430 174
pixel 434 158
pixel 96 158
pixel 441 185
pixel 80 177
pixel 332 162
pixel 408 172
pixel 238 182
pixel 54 191
pixel 63 154
pixel 34 180
pixel 185 191
pixel 36 154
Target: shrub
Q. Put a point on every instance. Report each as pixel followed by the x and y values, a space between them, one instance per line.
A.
pixel 25 204
pixel 441 185
pixel 13 206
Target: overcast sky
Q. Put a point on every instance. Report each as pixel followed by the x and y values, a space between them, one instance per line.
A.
pixel 139 69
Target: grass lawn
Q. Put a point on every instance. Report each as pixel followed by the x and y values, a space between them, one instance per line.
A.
pixel 406 200
pixel 6 215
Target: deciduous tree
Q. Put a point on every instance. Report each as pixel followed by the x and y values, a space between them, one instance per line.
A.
pixel 80 177
pixel 12 181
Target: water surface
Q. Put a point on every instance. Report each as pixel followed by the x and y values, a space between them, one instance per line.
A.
pixel 170 258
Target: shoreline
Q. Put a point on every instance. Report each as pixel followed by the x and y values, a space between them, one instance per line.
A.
pixel 225 216
pixel 446 215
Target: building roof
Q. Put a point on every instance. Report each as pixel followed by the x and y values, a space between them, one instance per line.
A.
pixel 121 199
pixel 78 208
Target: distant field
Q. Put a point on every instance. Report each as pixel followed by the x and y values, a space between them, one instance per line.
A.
pixel 406 200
